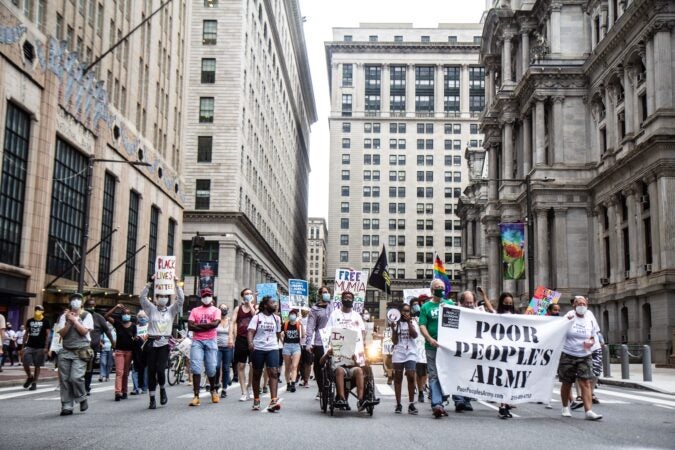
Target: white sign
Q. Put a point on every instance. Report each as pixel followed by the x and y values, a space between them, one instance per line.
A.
pixel 353 281
pixel 343 342
pixel 504 358
pixel 165 272
pixel 409 294
pixel 325 337
pixel 387 343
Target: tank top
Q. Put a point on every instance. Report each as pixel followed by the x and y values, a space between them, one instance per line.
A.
pixel 291 333
pixel 223 337
pixel 243 318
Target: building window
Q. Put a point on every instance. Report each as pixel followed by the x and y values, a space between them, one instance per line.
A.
pixel 425 39
pixel 347 75
pixel 208 70
pixel 106 229
pixel 171 238
pixel 132 235
pixel 346 143
pixel 346 105
pixel 210 32
pixel 210 252
pixel 451 75
pixel 473 128
pixel 344 256
pixel 451 103
pixel 67 210
pixel 372 38
pixel 346 127
pixel 345 175
pixel 152 240
pixel 202 194
pixel 346 159
pixel 344 239
pixel 424 76
pixel 206 105
pixel 424 103
pixel 452 39
pixel 13 186
pixel 210 3
pixel 347 38
pixel 204 148
pixel 344 191
pixel 398 38
pixel 344 223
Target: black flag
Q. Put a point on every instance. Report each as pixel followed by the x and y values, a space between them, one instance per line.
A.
pixel 379 276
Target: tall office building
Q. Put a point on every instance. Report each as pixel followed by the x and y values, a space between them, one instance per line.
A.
pixel 316 250
pixel 580 100
pixel 56 118
pixel 404 108
pixel 246 147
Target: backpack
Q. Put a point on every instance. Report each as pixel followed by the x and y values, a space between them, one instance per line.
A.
pixel 297 325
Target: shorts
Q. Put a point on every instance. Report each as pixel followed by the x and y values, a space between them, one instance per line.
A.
pixel 241 352
pixel 573 367
pixel 262 358
pixel 407 366
pixel 421 369
pixel 597 362
pixel 34 357
pixel 291 349
pixel 349 371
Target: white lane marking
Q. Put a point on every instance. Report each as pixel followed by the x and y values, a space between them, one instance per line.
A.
pixel 664 406
pixel 385 389
pixel 21 388
pixel 496 408
pixel 636 397
pixel 25 393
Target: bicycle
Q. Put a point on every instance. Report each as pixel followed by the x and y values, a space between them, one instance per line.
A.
pixel 178 358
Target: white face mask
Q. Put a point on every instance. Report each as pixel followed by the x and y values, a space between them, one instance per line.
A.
pixel 248 298
pixel 581 310
pixel 206 300
pixel 366 317
pixel 325 297
pixel 75 304
pixel 162 301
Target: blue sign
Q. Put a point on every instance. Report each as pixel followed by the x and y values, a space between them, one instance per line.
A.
pixel 298 292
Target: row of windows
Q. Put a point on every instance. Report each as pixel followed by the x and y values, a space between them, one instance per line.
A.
pixel 424 102
pixel 394 208
pixel 400 144
pixel 452 39
pixel 400 160
pixel 399 224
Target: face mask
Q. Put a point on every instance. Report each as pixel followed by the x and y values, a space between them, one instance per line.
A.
pixel 223 312
pixel 416 308
pixel 581 310
pixel 126 318
pixel 162 301
pixel 439 292
pixel 347 303
pixel 90 310
pixel 143 321
pixel 555 314
pixel 248 298
pixel 508 308
pixel 366 317
pixel 292 317
pixel 325 297
pixel 206 301
pixel 75 304
pixel 39 315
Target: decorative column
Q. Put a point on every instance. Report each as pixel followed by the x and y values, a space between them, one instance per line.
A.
pixel 492 172
pixel 561 270
pixel 639 235
pixel 238 267
pixel 634 241
pixel 506 58
pixel 555 27
pixel 507 144
pixel 599 266
pixel 410 89
pixel 611 233
pixel 358 96
pixel 655 214
pixel 246 271
pixel 618 241
pixel 337 82
pixel 226 281
pixel 539 126
pixel 543 248
pixel 666 237
pixel 651 74
pixel 527 142
pixel 609 118
pixel 488 86
pixel 438 89
pixel 594 34
pixel 611 14
pixel 558 149
pixel 469 236
pixel 663 69
pixel 494 272
pixel 525 49
pixel 629 101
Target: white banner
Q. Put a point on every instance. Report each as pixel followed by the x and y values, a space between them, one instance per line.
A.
pixel 502 358
pixel 165 271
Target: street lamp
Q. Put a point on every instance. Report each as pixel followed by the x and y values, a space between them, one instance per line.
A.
pixel 87 204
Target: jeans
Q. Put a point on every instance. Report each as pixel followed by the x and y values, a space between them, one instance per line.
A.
pixel 204 353
pixel 459 399
pixel 106 363
pixel 434 384
pixel 143 379
pixel 122 366
pixel 71 379
pixel 225 355
pixel 158 358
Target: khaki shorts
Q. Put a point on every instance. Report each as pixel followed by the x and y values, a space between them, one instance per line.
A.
pixel 34 356
pixel 573 367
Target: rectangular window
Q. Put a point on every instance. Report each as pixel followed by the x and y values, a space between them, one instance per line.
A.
pixel 344 239
pixel 203 194
pixel 132 235
pixel 372 38
pixel 473 128
pixel 346 105
pixel 346 159
pixel 108 214
pixel 345 175
pixel 451 77
pixel 347 75
pixel 398 38
pixel 210 32
pixel 346 127
pixel 347 38
pixel 208 70
pixel 344 191
pixel 451 103
pixel 346 143
pixel 210 3
pixel 13 186
pixel 424 76
pixel 344 222
pixel 424 103
pixel 67 210
pixel 171 238
pixel 204 148
pixel 206 106
pixel 152 240
pixel 397 103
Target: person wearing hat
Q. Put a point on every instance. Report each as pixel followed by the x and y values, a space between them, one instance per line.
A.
pixel 74 327
pixel 36 346
pixel 291 335
pixel 203 322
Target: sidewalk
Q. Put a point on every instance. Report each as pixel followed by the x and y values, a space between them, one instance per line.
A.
pixel 663 380
pixel 15 376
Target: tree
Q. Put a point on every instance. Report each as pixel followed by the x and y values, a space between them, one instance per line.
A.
pixel 313 291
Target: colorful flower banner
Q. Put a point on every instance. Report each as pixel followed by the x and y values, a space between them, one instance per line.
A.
pixel 513 250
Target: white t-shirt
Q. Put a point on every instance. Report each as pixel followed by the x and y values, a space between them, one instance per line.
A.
pixel 406 349
pixel 88 323
pixel 9 336
pixel 266 327
pixel 350 321
pixel 582 329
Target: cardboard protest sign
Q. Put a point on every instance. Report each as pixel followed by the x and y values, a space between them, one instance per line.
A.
pixel 504 358
pixel 387 343
pixel 409 294
pixel 353 281
pixel 284 306
pixel 325 337
pixel 165 272
pixel 343 342
pixel 298 293
pixel 540 301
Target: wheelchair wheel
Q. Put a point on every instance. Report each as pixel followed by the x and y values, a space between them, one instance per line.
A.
pixel 369 393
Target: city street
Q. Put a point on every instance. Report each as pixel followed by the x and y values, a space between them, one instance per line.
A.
pixel 632 419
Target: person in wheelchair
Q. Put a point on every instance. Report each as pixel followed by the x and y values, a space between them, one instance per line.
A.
pixel 344 368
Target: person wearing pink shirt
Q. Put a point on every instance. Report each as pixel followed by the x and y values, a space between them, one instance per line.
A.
pixel 203 322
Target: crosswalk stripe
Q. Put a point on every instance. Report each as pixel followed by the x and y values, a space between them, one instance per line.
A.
pixel 385 389
pixel 636 397
pixel 664 406
pixel 25 393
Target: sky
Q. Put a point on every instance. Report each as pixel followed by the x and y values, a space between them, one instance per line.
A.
pixel 321 17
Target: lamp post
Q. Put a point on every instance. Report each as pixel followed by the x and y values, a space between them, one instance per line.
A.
pixel 87 205
pixel 198 243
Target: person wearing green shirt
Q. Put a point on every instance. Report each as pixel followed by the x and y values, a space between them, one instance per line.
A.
pixel 429 329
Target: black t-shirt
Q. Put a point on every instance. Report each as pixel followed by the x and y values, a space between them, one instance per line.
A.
pixel 100 325
pixel 36 333
pixel 291 333
pixel 125 336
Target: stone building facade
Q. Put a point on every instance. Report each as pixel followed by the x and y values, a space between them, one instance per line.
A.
pixel 55 118
pixel 580 98
pixel 316 250
pixel 404 105
pixel 246 144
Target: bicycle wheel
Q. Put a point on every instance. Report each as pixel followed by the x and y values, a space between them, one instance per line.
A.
pixel 175 370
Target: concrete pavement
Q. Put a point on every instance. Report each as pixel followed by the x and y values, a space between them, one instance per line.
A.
pixel 663 379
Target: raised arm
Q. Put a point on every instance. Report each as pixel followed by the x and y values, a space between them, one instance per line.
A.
pixel 486 297
pixel 177 306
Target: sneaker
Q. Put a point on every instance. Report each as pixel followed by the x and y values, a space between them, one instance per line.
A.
pixel 399 409
pixel 66 412
pixel 293 386
pixel 412 410
pixel 420 397
pixel 566 411
pixel 468 406
pixel 100 380
pixel 504 413
pixel 274 406
pixel 318 396
pixel 195 401
pixel 243 398
pixel 32 387
pixel 459 407
pixel 223 393
pixel 214 397
pixel 249 394
pixel 135 392
pixel 590 415
pixel 152 405
pixel 576 405
pixel 361 405
pixel 28 382
pixel 84 405
pixel 118 397
pixel 548 406
pixel 438 411
pixel 256 404
pixel 595 400
pixel 162 396
pixel 265 390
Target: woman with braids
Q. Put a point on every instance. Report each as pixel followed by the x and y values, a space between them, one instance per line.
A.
pixel 264 333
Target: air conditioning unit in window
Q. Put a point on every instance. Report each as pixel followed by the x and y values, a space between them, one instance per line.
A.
pixel 648 268
pixel 604 281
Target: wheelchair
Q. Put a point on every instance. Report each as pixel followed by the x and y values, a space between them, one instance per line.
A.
pixel 328 390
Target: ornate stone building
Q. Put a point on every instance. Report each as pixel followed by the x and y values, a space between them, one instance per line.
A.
pixel 316 250
pixel 580 98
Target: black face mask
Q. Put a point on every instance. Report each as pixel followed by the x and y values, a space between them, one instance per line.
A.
pixel 507 308
pixel 347 303
pixel 555 314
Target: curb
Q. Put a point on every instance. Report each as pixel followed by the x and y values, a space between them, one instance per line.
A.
pixel 634 385
pixel 20 381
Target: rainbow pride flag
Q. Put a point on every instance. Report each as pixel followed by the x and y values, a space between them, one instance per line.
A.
pixel 441 274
